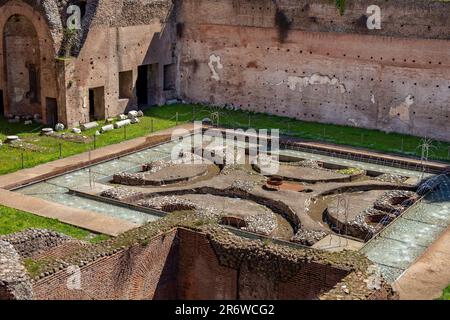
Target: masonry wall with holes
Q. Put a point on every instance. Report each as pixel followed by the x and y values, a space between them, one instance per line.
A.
pixel 304 59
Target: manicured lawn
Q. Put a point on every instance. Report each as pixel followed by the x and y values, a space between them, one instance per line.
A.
pixel 11 158
pixel 159 118
pixel 12 221
pixel 446 294
pixel 351 136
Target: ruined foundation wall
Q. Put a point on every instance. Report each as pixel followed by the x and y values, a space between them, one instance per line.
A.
pixel 202 276
pixel 323 67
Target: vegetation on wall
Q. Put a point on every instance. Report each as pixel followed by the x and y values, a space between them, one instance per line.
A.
pixel 340 4
pixel 445 294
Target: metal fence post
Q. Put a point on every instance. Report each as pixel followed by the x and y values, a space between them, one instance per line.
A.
pixel 151 123
pixel 176 118
pixel 60 150
pixel 95 141
pixel 22 160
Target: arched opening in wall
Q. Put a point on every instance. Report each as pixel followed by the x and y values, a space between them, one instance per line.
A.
pixel 22 66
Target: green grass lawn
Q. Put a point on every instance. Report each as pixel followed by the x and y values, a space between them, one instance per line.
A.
pixel 445 294
pixel 11 158
pixel 165 117
pixel 351 136
pixel 12 221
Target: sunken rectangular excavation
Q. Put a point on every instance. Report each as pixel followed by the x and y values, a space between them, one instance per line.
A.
pixel 313 201
pixel 184 264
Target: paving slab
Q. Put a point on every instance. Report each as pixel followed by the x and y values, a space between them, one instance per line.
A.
pixel 81 218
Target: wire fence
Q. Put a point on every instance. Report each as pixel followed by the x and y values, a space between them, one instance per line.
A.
pixel 28 153
pixel 394 143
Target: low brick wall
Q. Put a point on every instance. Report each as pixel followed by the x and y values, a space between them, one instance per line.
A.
pixel 186 264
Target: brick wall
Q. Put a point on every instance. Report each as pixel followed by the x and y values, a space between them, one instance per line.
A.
pixel 200 275
pixel 140 272
pixel 182 265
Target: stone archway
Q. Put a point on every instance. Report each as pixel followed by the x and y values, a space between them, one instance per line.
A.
pixel 22 66
pixel 29 72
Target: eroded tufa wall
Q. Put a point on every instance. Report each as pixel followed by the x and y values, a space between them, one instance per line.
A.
pixel 317 65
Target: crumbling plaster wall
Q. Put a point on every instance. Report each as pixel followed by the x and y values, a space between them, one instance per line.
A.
pixel 330 68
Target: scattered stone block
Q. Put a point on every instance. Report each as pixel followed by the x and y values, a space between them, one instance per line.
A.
pixel 59 127
pixel 11 139
pixel 122 123
pixel 14 120
pixel 107 128
pixel 140 113
pixel 97 133
pixel 122 117
pixel 89 125
pixel 46 131
pixel 132 114
pixel 76 130
pixel 28 122
pixel 135 120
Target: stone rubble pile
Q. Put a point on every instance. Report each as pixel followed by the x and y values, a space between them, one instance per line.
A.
pixel 308 237
pixel 244 185
pixel 388 201
pixel 29 242
pixel 168 204
pixel 359 226
pixel 13 276
pixel 391 178
pixel 263 223
pixel 306 164
pixel 121 194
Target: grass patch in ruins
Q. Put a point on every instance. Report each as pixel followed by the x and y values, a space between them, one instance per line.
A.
pixel 12 221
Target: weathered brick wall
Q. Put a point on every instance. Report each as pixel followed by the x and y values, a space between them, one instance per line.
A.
pixel 182 265
pixel 201 277
pixel 140 272
pixel 26 40
pixel 328 68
